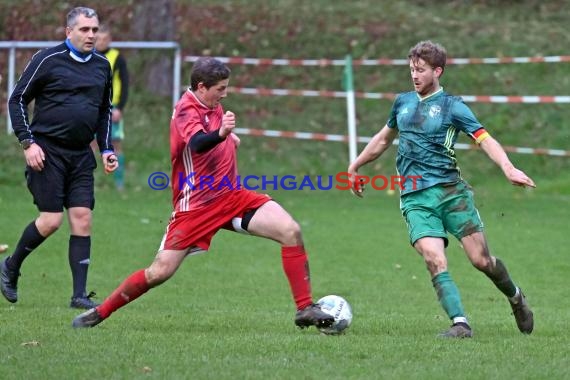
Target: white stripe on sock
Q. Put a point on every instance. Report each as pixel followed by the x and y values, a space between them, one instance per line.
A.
pixel 460 320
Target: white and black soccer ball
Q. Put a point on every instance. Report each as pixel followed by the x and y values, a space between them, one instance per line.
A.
pixel 340 309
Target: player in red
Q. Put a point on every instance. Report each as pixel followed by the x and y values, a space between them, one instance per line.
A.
pixel 207 197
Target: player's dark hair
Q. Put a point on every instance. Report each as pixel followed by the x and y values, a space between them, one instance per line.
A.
pixel 432 53
pixel 209 71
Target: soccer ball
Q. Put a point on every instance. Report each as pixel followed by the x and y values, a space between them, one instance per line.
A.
pixel 340 310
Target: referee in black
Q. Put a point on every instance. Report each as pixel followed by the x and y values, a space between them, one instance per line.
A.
pixel 71 86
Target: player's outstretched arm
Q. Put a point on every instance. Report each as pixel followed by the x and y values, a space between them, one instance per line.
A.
pixel 496 153
pixel 374 149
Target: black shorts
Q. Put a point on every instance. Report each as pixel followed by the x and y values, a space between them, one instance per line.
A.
pixel 66 179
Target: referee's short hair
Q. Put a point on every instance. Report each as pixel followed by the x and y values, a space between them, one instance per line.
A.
pixel 75 12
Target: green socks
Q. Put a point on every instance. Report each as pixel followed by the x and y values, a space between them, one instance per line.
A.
pixel 448 295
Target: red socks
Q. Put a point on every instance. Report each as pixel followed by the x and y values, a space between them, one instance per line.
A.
pixel 132 288
pixel 296 267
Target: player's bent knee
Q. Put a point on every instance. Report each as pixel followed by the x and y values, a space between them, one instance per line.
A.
pixel 155 277
pixel 47 226
pixel 48 229
pixel 158 273
pixel 292 233
pixel 484 264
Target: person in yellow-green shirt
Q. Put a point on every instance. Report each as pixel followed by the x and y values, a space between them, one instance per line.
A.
pixel 120 97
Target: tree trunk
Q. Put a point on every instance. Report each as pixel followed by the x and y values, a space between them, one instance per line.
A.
pixel 153 20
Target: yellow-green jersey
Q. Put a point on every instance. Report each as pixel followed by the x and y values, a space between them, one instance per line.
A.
pixel 428 129
pixel 120 77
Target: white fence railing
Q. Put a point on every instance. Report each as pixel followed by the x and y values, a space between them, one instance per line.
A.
pixel 352 135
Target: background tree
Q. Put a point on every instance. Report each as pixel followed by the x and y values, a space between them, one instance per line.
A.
pixel 154 21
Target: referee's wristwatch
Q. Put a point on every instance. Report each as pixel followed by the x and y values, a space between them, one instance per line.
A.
pixel 26 143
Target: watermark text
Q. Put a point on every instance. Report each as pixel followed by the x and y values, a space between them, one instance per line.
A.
pixel 339 181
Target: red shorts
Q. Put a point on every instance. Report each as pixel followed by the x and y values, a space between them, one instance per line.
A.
pixel 196 228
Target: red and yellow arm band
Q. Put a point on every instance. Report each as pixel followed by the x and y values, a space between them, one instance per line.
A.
pixel 480 135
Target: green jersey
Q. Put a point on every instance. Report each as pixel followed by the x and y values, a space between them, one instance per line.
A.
pixel 428 130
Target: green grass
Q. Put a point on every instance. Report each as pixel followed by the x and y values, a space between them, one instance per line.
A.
pixel 228 314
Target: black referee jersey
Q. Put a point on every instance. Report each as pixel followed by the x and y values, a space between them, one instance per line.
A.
pixel 72 99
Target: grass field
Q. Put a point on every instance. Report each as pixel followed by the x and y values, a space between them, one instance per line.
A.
pixel 228 314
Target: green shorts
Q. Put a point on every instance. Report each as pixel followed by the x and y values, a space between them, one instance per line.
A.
pixel 118 132
pixel 440 209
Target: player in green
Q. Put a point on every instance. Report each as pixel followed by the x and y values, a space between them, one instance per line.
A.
pixel 428 121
